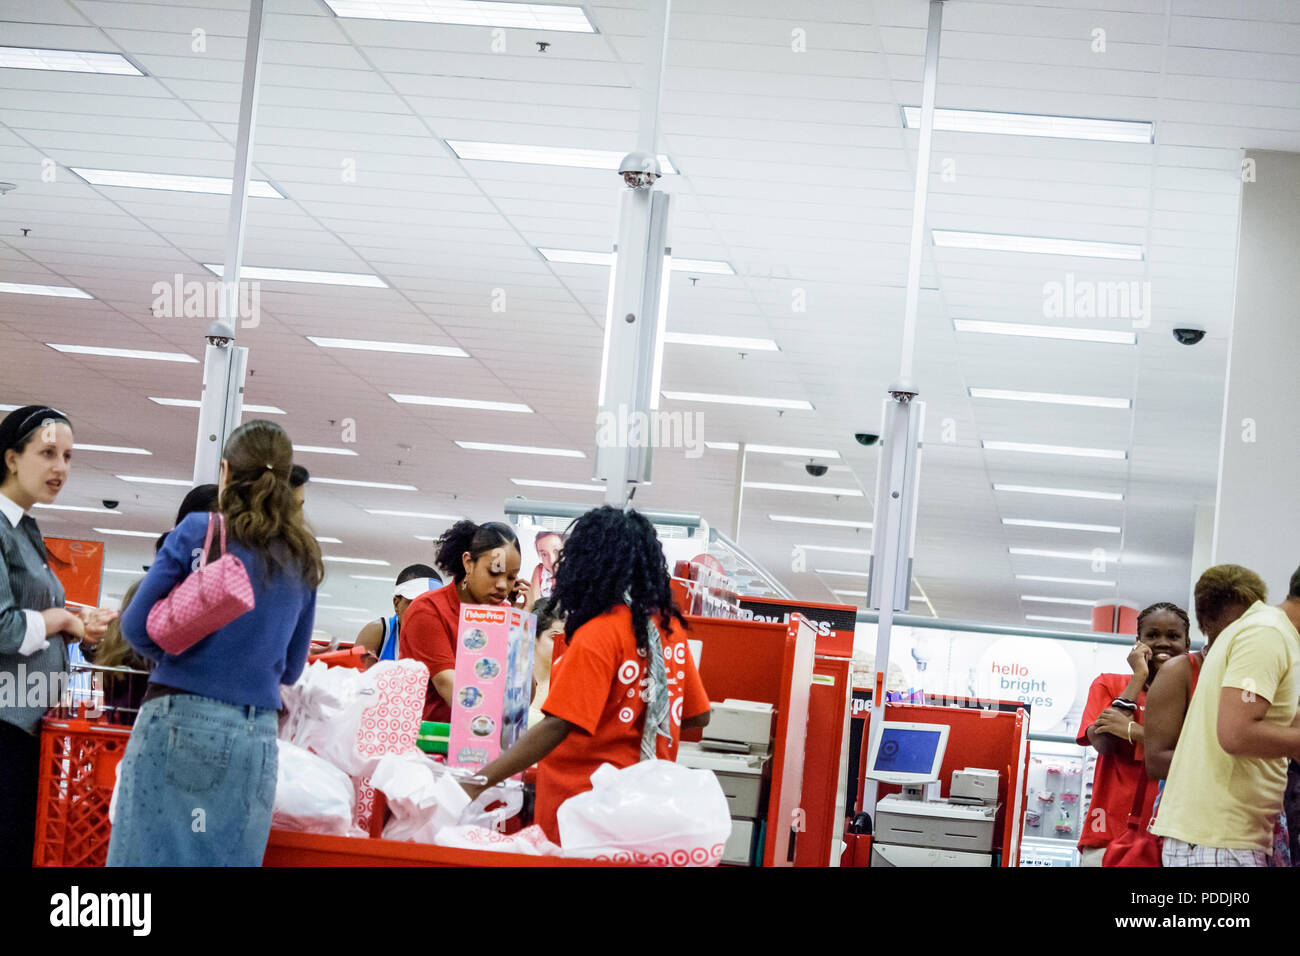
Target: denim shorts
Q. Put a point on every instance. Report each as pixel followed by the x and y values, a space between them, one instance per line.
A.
pixel 196 786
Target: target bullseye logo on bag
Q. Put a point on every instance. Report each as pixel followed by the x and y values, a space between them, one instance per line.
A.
pixel 1037 673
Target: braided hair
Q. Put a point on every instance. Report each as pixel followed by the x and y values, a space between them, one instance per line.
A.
pixel 612 557
pixel 1166 606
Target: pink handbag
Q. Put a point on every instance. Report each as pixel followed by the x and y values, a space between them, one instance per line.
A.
pixel 206 601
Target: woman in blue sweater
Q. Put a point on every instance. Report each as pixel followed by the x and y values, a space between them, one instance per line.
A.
pixel 197 783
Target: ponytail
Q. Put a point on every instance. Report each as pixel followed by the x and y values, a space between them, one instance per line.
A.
pixel 477 539
pixel 261 509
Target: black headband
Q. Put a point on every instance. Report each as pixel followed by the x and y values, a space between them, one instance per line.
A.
pixel 19 423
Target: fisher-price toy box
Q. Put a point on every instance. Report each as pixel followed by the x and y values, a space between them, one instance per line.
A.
pixel 494 682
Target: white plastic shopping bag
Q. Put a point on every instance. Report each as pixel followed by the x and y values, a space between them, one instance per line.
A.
pixel 655 812
pixel 422 797
pixel 311 794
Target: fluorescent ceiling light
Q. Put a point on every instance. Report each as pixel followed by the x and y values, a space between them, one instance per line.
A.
pixel 1037 449
pixel 424 537
pixel 124 353
pixel 1051 398
pixel 89 510
pixel 1045 332
pixel 341 560
pixel 404 348
pixel 797 404
pixel 112 449
pixel 363 279
pixel 807 489
pixel 582 257
pixel 321 539
pixel 195 403
pixel 67 61
pixel 122 571
pixel 830 522
pixel 521 449
pixel 1060 492
pixel 1031 124
pixel 477 13
pixel 371 577
pixel 324 450
pixel 996 242
pixel 721 341
pixel 127 534
pixel 565 485
pixel 849 593
pixel 1067 555
pixel 823 547
pixel 461 403
pixel 58 291
pixel 1081 602
pixel 548 155
pixel 1092 582
pixel 793 452
pixel 1061 525
pixel 342 607
pixel 851 574
pixel 412 514
pixel 1087 622
pixel 362 484
pixel 143 480
pixel 257 188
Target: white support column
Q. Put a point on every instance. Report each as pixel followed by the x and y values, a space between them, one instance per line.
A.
pixel 894 521
pixel 738 502
pixel 638 300
pixel 1258 510
pixel 224 362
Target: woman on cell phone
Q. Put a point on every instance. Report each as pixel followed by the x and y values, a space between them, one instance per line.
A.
pixel 483 560
pixel 197 784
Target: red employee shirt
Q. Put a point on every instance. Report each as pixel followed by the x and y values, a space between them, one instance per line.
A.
pixel 596 686
pixel 429 635
pixel 1118 777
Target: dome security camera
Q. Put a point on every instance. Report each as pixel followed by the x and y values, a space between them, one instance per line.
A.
pixel 815 469
pixel 109 503
pixel 639 170
pixel 866 439
pixel 1189 336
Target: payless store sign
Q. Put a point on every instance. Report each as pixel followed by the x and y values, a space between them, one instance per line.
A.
pixel 1038 673
pixel 834 623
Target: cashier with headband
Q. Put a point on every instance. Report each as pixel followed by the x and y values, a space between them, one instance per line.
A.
pixel 380 637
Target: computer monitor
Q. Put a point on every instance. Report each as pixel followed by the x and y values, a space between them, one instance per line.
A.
pixel 907 753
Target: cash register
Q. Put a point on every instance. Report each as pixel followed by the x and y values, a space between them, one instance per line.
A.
pixel 917 827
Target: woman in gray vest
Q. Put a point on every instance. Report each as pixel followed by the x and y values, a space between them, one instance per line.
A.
pixel 36 445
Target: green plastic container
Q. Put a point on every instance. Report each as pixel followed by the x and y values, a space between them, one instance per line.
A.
pixel 433 737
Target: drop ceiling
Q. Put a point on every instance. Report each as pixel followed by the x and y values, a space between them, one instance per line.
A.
pixel 795 169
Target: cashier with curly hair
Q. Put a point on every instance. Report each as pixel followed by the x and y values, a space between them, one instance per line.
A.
pixel 624 684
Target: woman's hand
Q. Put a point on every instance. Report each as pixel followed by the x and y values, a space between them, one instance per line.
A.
pixel 471 788
pixel 524 596
pixel 1116 722
pixel 1138 659
pixel 59 620
pixel 96 621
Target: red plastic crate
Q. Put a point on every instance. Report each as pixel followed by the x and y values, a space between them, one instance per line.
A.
pixel 79 759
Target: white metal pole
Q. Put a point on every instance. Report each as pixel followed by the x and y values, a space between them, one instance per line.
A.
pixel 896 481
pixel 922 189
pixel 631 348
pixel 739 500
pixel 224 362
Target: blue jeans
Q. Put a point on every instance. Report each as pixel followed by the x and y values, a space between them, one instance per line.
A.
pixel 196 786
